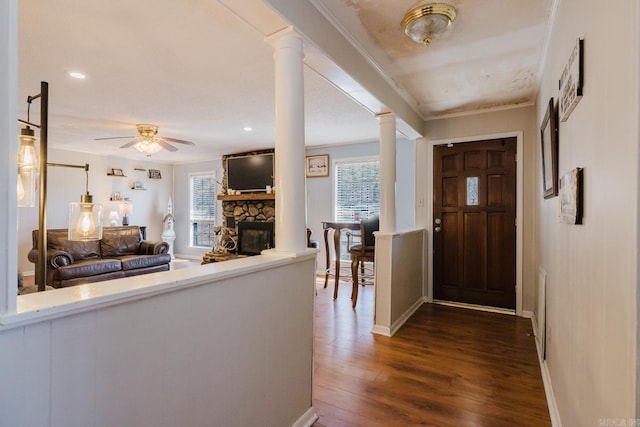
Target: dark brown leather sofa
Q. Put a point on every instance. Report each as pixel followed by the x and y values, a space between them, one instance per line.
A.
pixel 120 253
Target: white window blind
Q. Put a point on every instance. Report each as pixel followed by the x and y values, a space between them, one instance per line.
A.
pixel 202 214
pixel 357 189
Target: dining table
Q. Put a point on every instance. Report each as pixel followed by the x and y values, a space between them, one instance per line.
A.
pixel 337 227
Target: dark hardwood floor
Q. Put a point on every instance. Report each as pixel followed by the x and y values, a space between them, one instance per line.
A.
pixel 446 366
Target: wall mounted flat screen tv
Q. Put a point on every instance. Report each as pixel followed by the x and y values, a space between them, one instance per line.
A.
pixel 250 173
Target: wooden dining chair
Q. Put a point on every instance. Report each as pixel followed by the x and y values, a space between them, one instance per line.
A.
pixel 364 251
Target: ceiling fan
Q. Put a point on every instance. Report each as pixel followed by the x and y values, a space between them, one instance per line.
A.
pixel 149 142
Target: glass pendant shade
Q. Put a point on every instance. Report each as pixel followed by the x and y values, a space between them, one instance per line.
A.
pixel 85 219
pixel 27 169
pixel 148 146
pixel 425 23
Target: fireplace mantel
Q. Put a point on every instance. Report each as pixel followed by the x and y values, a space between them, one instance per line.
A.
pixel 248 196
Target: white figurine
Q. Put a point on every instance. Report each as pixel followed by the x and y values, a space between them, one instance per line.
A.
pixel 168 235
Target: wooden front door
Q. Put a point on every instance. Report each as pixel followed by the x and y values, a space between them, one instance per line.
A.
pixel 474 211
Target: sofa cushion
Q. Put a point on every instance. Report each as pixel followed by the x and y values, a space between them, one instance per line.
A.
pixel 90 267
pixel 120 241
pixel 132 262
pixel 58 239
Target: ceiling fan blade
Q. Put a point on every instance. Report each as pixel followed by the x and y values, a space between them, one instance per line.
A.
pixel 166 146
pixel 113 137
pixel 180 141
pixel 130 143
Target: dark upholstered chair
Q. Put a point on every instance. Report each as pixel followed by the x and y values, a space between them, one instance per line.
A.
pixel 365 251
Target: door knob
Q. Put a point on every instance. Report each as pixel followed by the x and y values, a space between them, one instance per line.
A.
pixel 438 221
pixel 437 229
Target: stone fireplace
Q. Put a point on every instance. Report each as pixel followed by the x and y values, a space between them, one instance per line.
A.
pixel 254 237
pixel 245 210
pixel 248 210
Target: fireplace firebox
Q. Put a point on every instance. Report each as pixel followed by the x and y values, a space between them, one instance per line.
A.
pixel 255 236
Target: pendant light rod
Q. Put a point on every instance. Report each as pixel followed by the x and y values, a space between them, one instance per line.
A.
pixel 64 165
pixel 41 267
pixel 28 123
pixel 85 167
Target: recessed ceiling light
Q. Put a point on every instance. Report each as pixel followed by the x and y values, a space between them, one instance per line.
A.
pixel 77 75
pixel 247 128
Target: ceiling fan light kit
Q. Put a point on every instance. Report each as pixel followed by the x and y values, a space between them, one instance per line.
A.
pixel 149 142
pixel 424 23
pixel 148 146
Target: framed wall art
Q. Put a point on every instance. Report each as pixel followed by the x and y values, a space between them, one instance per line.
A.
pixel 570 84
pixel 549 143
pixel 317 166
pixel 154 174
pixel 571 195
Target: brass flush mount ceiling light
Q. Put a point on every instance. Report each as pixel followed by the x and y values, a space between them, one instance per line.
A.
pixel 424 23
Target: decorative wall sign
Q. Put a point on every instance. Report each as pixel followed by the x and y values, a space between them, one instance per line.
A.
pixel 549 142
pixel 571 195
pixel 570 83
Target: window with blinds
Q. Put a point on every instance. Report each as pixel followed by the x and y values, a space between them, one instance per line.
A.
pixel 357 195
pixel 357 189
pixel 202 214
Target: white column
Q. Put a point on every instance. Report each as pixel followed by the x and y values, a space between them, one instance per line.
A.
pixel 387 172
pixel 8 152
pixel 289 144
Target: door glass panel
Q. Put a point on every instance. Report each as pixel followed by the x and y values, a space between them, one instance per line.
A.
pixel 472 191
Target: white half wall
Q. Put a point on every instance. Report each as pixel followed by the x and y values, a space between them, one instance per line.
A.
pixel 400 274
pixel 213 345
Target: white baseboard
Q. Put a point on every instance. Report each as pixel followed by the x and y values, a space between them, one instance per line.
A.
pixel 307 419
pixel 390 331
pixel 554 414
pixel 381 330
pixel 527 314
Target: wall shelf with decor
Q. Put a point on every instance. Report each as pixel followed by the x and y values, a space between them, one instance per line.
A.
pixel 137 185
pixel 252 196
pixel 116 172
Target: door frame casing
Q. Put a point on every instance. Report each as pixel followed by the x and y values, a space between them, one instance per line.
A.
pixel 428 199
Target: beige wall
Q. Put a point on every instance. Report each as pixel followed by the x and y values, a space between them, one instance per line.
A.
pixel 592 268
pixel 482 125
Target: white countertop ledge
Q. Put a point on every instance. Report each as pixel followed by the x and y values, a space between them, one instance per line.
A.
pixel 42 306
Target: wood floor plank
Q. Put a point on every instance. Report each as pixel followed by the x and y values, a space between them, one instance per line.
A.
pixel 446 366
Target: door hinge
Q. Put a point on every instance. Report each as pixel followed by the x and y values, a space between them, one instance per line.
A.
pixel 515 157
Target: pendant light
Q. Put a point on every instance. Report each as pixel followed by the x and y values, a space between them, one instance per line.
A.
pixel 27 168
pixel 85 217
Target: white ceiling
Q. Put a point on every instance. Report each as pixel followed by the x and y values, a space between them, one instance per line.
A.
pixel 201 69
